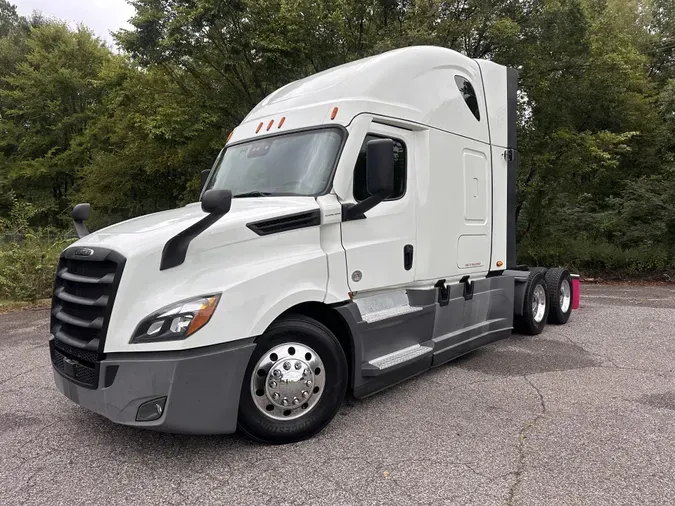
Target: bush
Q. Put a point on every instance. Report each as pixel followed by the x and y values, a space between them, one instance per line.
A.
pixel 28 257
pixel 600 258
pixel 28 265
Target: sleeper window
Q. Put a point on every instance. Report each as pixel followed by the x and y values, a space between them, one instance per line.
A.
pixel 360 190
pixel 469 94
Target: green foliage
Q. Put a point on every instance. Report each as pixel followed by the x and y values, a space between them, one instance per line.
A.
pixel 601 258
pixel 130 132
pixel 28 257
pixel 47 103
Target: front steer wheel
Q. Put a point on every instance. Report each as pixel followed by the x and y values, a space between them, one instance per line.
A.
pixel 295 382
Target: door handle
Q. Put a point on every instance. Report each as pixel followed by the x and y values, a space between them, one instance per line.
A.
pixel 407 257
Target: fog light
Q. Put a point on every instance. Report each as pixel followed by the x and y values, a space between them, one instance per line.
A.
pixel 151 410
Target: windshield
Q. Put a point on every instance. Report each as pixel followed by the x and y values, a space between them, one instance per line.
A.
pixel 293 164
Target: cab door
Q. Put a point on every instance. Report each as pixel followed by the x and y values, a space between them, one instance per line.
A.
pixel 380 249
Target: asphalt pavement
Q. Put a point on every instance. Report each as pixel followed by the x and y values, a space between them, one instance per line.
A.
pixel 582 414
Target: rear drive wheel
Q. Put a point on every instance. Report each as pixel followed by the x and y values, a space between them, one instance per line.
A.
pixel 295 382
pixel 559 284
pixel 535 305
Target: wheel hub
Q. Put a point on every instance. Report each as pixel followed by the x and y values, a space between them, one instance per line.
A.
pixel 565 295
pixel 288 381
pixel 292 385
pixel 539 303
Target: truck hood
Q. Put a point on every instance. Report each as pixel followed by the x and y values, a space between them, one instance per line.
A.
pixel 147 234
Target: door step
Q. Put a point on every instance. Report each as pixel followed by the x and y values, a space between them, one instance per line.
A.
pixel 386 363
pixel 384 306
pixel 389 313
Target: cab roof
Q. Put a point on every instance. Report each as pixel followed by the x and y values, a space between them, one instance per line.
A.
pixel 416 84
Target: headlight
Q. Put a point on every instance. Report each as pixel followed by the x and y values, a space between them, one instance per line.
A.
pixel 177 321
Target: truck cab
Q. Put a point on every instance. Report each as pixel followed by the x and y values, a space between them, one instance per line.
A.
pixel 358 228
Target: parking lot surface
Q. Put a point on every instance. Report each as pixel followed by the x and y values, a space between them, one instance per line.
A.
pixel 582 414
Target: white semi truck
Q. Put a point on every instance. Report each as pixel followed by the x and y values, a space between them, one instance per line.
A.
pixel 357 229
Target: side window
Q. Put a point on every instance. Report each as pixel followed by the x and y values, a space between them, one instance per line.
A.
pixel 469 94
pixel 360 191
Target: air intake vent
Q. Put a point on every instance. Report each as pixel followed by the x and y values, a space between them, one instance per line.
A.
pixel 286 223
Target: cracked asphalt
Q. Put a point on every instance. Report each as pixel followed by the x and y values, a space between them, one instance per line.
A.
pixel 582 414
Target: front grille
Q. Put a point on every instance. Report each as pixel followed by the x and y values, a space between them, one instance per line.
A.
pixel 77 353
pixel 84 374
pixel 84 294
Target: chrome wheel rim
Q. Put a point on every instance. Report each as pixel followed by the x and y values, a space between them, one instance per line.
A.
pixel 288 381
pixel 539 303
pixel 565 295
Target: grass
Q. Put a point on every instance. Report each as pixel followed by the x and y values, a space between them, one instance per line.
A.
pixel 10 306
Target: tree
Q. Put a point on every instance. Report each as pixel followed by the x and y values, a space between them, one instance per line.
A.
pixel 47 103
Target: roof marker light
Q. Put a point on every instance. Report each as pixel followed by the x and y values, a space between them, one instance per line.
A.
pixel 259 127
pixel 333 113
pixel 229 137
pixel 281 121
pixel 269 125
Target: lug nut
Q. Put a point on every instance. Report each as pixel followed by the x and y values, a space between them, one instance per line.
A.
pixel 285 401
pixel 276 373
pixel 305 394
pixel 287 365
pixel 296 400
pixel 298 365
pixel 275 396
pixel 305 372
pixel 308 383
pixel 273 384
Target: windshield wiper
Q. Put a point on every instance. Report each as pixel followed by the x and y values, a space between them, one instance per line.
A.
pixel 253 194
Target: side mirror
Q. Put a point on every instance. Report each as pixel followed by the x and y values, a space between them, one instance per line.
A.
pixel 217 202
pixel 380 167
pixel 205 177
pixel 379 178
pixel 80 215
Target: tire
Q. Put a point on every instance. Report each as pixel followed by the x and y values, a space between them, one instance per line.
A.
pixel 288 342
pixel 533 321
pixel 560 292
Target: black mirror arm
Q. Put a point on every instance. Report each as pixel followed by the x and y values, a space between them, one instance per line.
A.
pixel 175 249
pixel 81 229
pixel 214 202
pixel 357 211
pixel 205 178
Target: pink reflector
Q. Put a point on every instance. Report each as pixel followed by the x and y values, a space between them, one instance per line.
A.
pixel 576 291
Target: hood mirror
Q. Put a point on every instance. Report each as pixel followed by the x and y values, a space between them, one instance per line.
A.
pixel 80 215
pixel 217 201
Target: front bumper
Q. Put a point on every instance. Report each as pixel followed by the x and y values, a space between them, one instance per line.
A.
pixel 201 387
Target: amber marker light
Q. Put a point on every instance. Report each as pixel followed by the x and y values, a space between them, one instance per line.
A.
pixel 203 315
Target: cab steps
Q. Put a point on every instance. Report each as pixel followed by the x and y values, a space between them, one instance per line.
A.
pixel 385 306
pixel 400 358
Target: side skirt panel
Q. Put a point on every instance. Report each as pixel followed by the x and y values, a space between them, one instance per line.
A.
pixel 464 325
pixel 430 335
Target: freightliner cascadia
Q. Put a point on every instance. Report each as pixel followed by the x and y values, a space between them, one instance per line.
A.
pixel 357 229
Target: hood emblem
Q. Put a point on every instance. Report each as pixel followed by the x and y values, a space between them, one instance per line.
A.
pixel 83 252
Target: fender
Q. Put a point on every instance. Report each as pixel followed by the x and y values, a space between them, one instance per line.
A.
pixel 271 313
